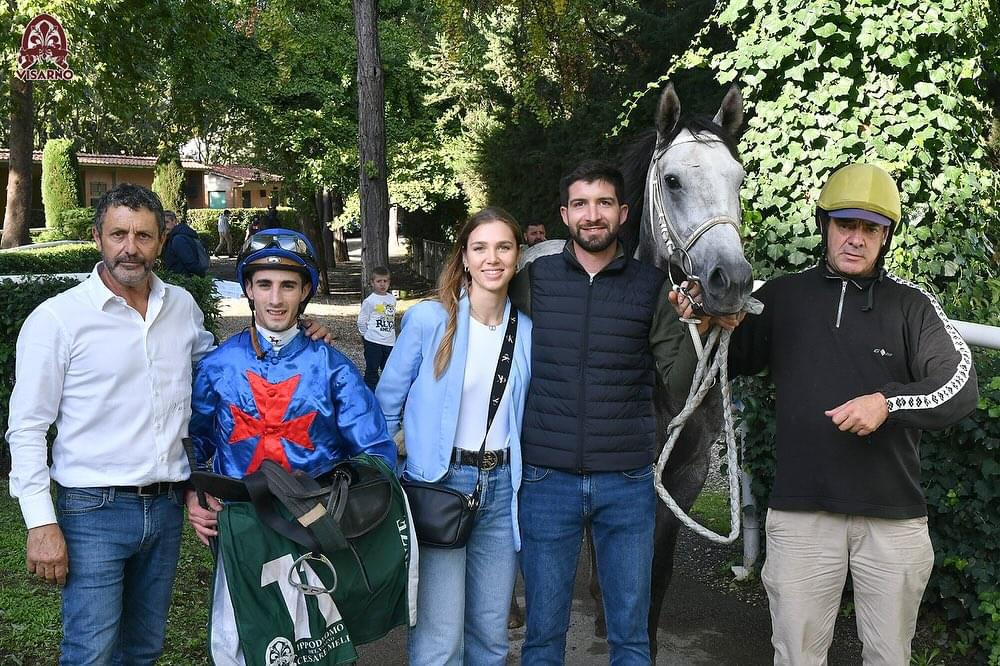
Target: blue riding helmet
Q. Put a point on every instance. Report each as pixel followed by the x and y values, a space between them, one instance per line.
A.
pixel 278 248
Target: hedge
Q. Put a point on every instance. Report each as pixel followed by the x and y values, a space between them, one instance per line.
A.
pixel 60 179
pixel 60 259
pixel 961 469
pixel 18 299
pixel 205 221
pixel 72 224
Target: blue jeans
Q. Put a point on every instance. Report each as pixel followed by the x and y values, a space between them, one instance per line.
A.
pixel 375 357
pixel 464 594
pixel 554 508
pixel 122 558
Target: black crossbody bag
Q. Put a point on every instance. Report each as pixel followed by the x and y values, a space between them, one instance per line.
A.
pixel 443 517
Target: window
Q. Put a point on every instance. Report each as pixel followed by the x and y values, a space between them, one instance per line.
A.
pixel 216 199
pixel 263 194
pixel 97 190
pixel 246 200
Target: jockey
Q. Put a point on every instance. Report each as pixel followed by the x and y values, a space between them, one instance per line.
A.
pixel 270 393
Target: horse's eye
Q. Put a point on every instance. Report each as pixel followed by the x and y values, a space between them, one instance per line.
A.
pixel 673 182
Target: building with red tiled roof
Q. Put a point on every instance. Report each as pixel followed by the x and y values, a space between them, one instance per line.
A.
pixel 238 186
pixel 215 186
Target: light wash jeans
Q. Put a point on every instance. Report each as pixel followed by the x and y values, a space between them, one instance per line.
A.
pixel 122 558
pixel 464 593
pixel 553 510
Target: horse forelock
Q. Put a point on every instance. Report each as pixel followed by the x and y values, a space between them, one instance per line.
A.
pixel 699 126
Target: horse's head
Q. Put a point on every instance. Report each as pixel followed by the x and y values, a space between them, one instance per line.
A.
pixel 690 209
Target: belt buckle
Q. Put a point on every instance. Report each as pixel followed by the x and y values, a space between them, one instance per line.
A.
pixel 490 460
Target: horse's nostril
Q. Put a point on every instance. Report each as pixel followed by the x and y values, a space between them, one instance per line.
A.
pixel 718 279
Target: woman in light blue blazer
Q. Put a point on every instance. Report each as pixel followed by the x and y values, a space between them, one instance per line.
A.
pixel 437 382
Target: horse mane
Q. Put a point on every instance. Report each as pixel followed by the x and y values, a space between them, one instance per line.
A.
pixel 634 165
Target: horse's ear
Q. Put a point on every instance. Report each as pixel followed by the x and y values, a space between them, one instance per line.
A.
pixel 730 115
pixel 667 111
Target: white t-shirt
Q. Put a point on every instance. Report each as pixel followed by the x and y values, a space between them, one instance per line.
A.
pixel 377 319
pixel 480 364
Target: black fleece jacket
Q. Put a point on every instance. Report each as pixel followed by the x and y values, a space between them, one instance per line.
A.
pixel 827 340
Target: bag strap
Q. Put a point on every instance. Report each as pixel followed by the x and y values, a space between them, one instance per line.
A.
pixel 500 376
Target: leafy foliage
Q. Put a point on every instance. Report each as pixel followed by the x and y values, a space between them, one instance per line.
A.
pixel 60 179
pixel 73 224
pixel 76 223
pixel 897 82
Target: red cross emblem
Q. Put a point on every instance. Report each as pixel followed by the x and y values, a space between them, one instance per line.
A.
pixel 272 402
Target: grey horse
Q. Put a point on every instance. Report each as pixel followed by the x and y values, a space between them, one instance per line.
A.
pixel 682 186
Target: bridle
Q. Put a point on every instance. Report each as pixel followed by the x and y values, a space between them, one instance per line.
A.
pixel 678 247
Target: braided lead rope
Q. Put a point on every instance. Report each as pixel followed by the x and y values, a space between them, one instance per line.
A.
pixel 704 379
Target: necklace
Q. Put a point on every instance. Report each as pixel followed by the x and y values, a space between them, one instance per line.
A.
pixel 482 321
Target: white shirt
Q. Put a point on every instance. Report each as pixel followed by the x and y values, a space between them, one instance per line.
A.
pixel 480 366
pixel 116 386
pixel 377 319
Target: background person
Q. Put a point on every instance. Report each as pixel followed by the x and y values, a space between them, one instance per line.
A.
pixel 271 220
pixel 377 325
pixel 256 224
pixel 225 235
pixel 183 251
pixel 534 233
pixel 442 370
pixel 861 361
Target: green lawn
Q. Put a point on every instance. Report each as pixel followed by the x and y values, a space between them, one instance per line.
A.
pixel 29 609
pixel 711 509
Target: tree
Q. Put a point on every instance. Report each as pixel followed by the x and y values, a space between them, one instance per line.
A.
pixel 168 182
pixel 373 188
pixel 60 179
pixel 17 217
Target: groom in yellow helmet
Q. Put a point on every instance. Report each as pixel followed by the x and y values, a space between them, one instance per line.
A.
pixel 862 362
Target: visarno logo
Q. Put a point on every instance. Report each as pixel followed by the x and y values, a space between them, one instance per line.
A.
pixel 279 653
pixel 44 50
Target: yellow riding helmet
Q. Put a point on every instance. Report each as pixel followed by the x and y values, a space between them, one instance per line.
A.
pixel 862 186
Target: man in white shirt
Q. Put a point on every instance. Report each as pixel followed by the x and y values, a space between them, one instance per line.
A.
pixel 225 236
pixel 109 363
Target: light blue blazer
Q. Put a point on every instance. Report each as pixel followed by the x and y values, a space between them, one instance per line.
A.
pixel 428 407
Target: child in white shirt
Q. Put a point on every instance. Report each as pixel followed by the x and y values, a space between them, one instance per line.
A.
pixel 377 325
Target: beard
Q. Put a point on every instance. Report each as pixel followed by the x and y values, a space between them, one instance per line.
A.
pixel 129 277
pixel 595 243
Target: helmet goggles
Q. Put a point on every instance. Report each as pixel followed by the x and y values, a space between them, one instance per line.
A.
pixel 279 238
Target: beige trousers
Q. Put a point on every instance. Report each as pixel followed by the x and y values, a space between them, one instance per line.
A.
pixel 808 556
